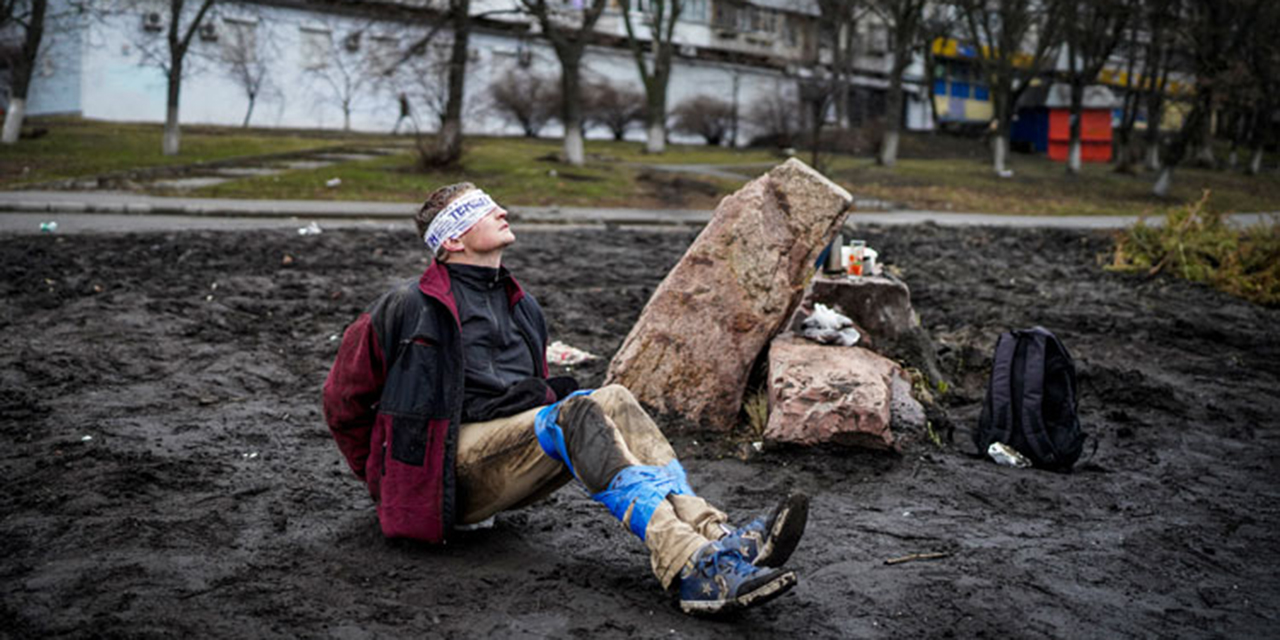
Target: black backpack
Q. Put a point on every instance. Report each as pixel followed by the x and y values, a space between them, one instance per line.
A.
pixel 1031 400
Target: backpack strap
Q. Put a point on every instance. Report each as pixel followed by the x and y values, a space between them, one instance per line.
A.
pixel 1071 369
pixel 1037 438
pixel 1002 391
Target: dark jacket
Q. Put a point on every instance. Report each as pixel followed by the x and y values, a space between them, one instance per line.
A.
pixel 393 399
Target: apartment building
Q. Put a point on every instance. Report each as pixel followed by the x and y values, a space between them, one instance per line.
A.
pixel 314 57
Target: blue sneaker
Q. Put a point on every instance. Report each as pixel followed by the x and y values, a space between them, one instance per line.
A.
pixel 719 579
pixel 768 542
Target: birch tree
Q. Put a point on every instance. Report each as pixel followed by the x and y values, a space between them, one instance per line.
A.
pixel 655 68
pixel 1015 40
pixel 903 19
pixel 246 56
pixel 1093 30
pixel 568 30
pixel 29 17
pixel 178 39
pixel 939 24
pixel 1215 34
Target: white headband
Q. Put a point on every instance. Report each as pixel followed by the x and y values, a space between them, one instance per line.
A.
pixel 457 218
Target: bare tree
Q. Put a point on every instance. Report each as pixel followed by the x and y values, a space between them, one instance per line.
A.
pixel 568 29
pixel 704 116
pixel 246 58
pixel 1122 144
pixel 904 19
pixel 29 16
pixel 1215 33
pixel 525 98
pixel 839 18
pixel 178 41
pixel 1001 31
pixel 613 107
pixel 939 25
pixel 448 145
pixel 344 70
pixel 660 18
pixel 775 117
pixel 1263 60
pixel 1161 21
pixel 1093 29
pixel 426 75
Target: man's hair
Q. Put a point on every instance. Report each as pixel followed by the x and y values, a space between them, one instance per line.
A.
pixel 436 202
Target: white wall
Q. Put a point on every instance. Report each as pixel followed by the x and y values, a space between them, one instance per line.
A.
pixel 104 72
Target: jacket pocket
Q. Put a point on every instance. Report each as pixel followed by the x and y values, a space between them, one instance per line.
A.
pixel 418 382
pixel 409 440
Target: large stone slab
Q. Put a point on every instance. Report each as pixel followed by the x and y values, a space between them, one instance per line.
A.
pixel 831 394
pixel 691 351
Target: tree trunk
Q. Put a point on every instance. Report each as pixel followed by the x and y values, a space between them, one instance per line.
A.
pixel 657 140
pixel 893 114
pixel 931 79
pixel 448 148
pixel 1077 113
pixel 999 153
pixel 571 109
pixel 840 64
pixel 249 113
pixel 1255 162
pixel 1153 156
pixel 13 119
pixel 1204 136
pixel 346 116
pixel 656 120
pixel 1163 183
pixel 172 142
pixel 21 70
pixel 1002 103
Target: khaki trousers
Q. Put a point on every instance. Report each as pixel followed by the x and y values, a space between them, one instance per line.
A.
pixel 501 466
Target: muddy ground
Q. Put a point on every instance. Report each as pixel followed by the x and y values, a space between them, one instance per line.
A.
pixel 166 470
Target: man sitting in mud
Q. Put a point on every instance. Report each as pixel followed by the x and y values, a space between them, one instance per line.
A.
pixel 440 401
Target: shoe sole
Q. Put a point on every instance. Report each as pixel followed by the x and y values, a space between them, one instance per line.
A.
pixel 770 590
pixel 784 536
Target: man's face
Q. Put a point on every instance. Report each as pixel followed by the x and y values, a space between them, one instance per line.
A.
pixel 492 233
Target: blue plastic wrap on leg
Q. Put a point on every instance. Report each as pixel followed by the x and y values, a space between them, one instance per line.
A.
pixel 546 427
pixel 645 487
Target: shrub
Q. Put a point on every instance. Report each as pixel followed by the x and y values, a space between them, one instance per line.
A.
pixel 525 99
pixel 775 119
pixel 613 107
pixel 1197 244
pixel 704 116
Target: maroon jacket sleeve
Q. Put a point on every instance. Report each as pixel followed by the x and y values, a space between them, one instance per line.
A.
pixel 352 391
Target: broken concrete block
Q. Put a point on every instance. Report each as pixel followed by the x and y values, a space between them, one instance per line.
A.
pixel 691 351
pixel 831 394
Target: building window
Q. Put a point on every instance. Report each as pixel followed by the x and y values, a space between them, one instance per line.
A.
pixel 791 31
pixel 726 16
pixel 241 42
pixel 316 45
pixel 694 11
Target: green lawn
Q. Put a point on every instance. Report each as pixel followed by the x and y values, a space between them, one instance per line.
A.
pixel 523 171
pixel 1042 187
pixel 74 148
pixel 516 171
